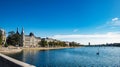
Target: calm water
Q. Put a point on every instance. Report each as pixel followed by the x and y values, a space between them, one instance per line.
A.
pixel 72 57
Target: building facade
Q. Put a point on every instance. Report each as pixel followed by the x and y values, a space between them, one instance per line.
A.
pixel 2 32
pixel 29 40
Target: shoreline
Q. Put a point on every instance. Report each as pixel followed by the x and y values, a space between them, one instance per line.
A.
pixel 46 48
pixel 18 49
pixel 10 50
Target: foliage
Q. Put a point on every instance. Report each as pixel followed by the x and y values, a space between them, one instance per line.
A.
pixel 73 44
pixel 0 39
pixel 43 43
pixel 11 33
pixel 13 38
pixel 6 45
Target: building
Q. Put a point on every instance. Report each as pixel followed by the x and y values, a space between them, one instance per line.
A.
pixel 50 39
pixel 2 32
pixel 89 43
pixel 29 40
pixel 68 43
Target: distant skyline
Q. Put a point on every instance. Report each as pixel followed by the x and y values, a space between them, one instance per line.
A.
pixel 95 21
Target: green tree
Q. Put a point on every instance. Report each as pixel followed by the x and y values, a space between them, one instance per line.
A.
pixel 50 44
pixel 57 44
pixel 0 39
pixel 43 43
pixel 11 33
pixel 73 44
pixel 6 45
pixel 13 38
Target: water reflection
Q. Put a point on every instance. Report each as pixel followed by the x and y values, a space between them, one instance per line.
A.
pixel 30 56
pixel 72 57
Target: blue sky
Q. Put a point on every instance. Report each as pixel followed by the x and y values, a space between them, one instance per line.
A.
pixel 48 18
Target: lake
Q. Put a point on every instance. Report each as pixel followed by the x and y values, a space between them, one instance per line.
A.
pixel 71 57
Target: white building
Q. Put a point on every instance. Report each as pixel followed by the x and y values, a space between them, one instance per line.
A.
pixel 29 40
pixel 3 36
pixel 50 39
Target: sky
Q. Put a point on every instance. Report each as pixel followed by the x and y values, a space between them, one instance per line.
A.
pixel 83 21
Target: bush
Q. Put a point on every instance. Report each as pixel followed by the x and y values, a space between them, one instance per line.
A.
pixel 6 45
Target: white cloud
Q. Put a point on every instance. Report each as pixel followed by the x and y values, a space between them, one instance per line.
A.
pixel 114 23
pixel 75 30
pixel 109 34
pixel 115 19
pixel 110 37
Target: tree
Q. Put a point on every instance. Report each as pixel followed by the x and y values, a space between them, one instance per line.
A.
pixel 43 43
pixel 11 33
pixel 13 38
pixel 6 45
pixel 0 39
pixel 57 43
pixel 73 44
pixel 50 44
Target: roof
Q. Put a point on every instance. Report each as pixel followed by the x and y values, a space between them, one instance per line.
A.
pixel 27 36
pixel 33 36
pixel 37 37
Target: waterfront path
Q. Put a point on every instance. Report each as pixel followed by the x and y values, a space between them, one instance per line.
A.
pixel 10 50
